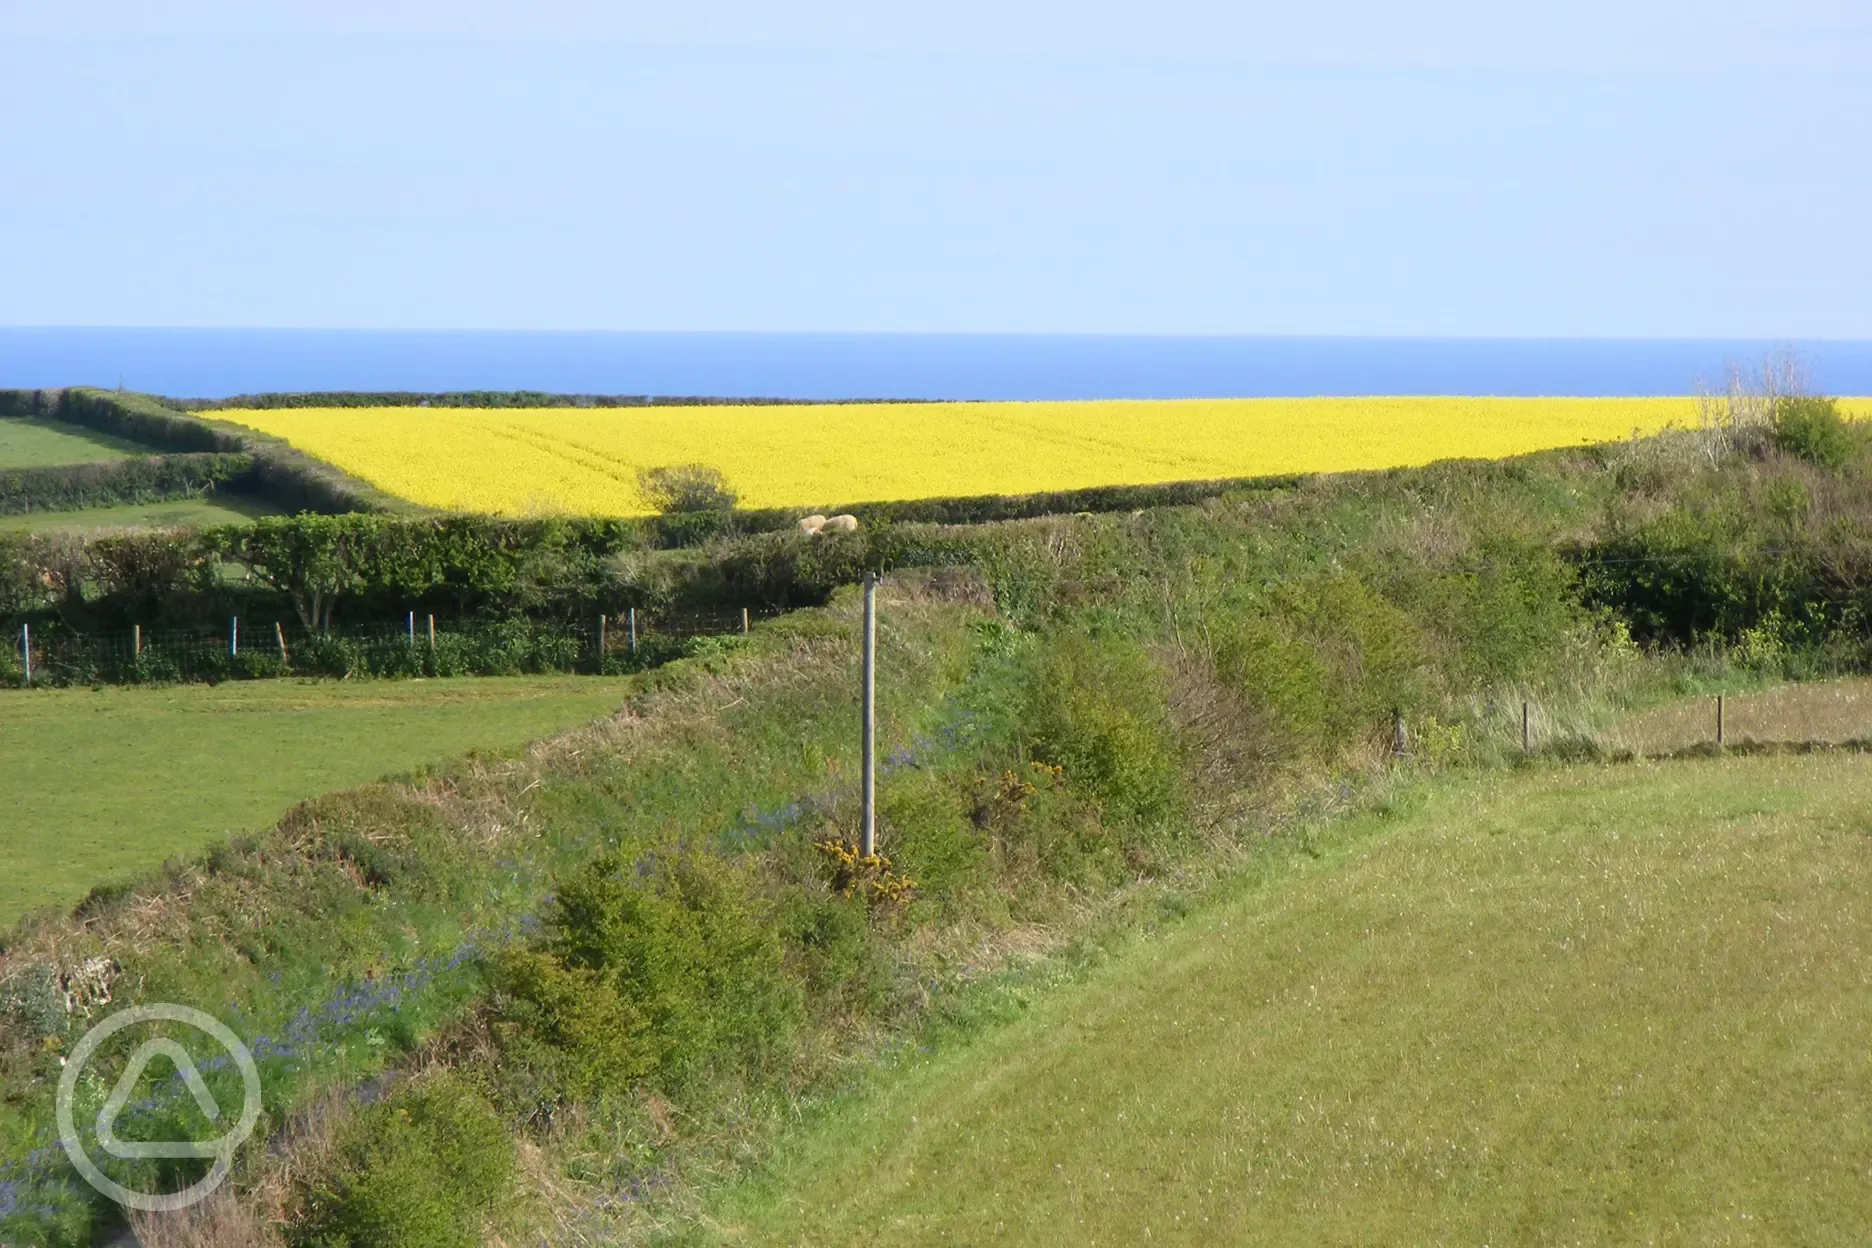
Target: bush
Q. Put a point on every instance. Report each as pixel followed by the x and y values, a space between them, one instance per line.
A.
pixel 690 955
pixel 1812 428
pixel 424 1168
pixel 565 1032
pixel 686 488
pixel 1095 708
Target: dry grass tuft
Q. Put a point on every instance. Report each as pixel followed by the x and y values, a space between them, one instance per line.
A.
pixel 1821 712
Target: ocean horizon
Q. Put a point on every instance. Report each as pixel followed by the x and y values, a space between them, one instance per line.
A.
pixel 219 363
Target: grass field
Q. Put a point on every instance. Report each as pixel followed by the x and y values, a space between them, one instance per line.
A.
pixel 586 459
pixel 99 785
pixel 1594 1005
pixel 43 443
pixel 181 513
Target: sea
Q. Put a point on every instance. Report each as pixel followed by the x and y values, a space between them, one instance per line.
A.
pixel 219 363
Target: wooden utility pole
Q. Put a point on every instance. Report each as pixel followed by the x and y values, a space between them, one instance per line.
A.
pixel 867 841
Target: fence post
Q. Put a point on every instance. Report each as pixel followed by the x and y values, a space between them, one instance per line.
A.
pixel 1719 721
pixel 1524 731
pixel 234 638
pixel 136 641
pixel 601 642
pixel 633 631
pixel 26 649
pixel 412 630
pixel 279 634
pixel 867 844
pixel 1400 736
pixel 432 633
pixel 744 621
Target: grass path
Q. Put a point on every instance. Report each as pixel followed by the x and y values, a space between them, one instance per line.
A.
pixel 1593 1005
pixel 97 785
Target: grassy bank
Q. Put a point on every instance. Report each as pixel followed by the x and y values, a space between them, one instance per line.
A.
pixel 103 786
pixel 1580 1005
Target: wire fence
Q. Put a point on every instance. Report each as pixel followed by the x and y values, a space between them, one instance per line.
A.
pixel 419 645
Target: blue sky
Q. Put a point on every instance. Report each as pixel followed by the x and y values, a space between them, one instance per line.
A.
pixel 1338 167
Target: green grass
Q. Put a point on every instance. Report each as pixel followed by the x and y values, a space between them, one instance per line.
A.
pixel 1577 1006
pixel 181 513
pixel 100 785
pixel 47 443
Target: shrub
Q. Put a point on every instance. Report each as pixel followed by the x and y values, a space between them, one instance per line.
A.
pixel 686 488
pixel 564 1031
pixel 423 1168
pixel 690 954
pixel 1095 708
pixel 1812 428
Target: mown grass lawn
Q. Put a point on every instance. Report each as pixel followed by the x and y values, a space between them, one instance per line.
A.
pixel 47 443
pixel 98 785
pixel 1583 1005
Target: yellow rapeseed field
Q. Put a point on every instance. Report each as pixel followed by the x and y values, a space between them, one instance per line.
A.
pixel 585 460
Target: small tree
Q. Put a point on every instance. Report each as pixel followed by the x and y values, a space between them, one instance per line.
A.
pixel 686 488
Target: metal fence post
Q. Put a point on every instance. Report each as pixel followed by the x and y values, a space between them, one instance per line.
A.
pixel 633 630
pixel 412 630
pixel 234 638
pixel 1719 720
pixel 26 649
pixel 867 845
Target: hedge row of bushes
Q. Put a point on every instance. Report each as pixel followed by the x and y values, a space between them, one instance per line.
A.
pixel 146 479
pixel 493 648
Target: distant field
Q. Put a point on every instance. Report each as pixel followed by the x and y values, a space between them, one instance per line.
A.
pixel 1591 1005
pixel 586 460
pixel 95 786
pixel 44 443
pixel 183 513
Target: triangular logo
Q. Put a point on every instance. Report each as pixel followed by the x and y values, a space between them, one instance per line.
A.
pixel 126 1088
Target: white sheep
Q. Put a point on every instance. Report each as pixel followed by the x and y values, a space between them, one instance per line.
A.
pixel 811 525
pixel 841 524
